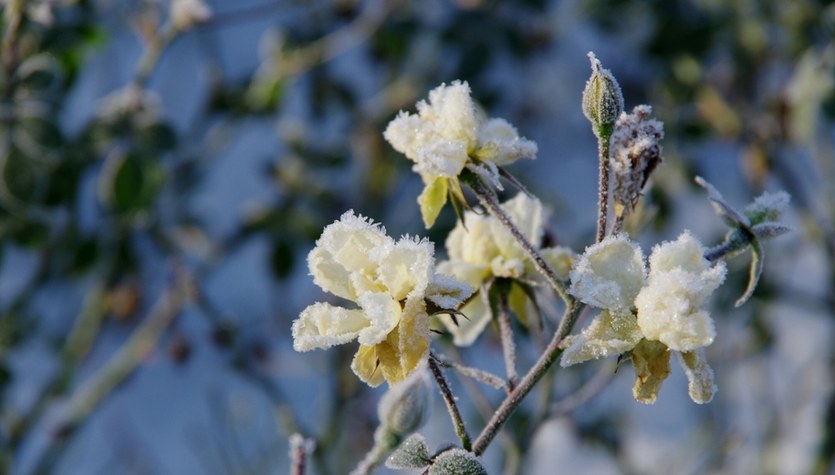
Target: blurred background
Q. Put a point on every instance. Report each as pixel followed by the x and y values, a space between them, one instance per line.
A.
pixel 162 180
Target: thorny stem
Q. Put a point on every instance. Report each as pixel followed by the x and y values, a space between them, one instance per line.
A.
pixel 487 197
pixel 602 187
pixel 449 399
pixel 508 346
pixel 539 369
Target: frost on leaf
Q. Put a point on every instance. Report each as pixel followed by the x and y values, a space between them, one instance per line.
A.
pixel 608 334
pixel 609 274
pixel 767 207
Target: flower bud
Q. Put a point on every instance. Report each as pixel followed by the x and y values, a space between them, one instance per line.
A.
pixel 457 461
pixel 602 99
pixel 403 409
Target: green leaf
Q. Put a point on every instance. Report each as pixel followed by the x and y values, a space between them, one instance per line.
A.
pixel 755 271
pixel 432 200
pixel 282 259
pixel 19 178
pixel 456 462
pixel 131 183
pixel 155 138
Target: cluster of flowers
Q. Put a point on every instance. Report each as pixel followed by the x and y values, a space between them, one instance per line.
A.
pixel 649 311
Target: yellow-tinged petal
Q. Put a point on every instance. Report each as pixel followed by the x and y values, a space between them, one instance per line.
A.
pixel 366 365
pixel 413 335
pixel 608 334
pixel 651 361
pixel 323 325
pixel 700 383
pixel 447 292
pixel 406 267
pixel 432 200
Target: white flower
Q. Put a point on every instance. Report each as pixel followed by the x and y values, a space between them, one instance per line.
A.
pixel 390 282
pixel 608 334
pixel 445 136
pixel 609 274
pixel 680 280
pixel 481 249
pixel 187 13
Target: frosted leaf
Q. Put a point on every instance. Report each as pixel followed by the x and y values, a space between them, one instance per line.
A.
pixel 405 267
pixel 609 274
pixel 651 361
pixel 456 462
pixel 699 376
pixel 476 317
pixel 608 334
pixel 767 207
pixel 500 143
pixel 346 247
pixel 727 212
pixel 412 453
pixel 446 292
pixel 382 313
pixel 323 325
pixel 770 230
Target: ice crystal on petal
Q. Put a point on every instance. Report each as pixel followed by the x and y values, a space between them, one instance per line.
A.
pixel 608 334
pixel 609 274
pixel 679 282
pixel 322 325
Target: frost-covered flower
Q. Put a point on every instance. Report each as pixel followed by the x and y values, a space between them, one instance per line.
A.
pixel 481 249
pixel 390 282
pixel 649 316
pixel 680 280
pixel 448 134
pixel 187 13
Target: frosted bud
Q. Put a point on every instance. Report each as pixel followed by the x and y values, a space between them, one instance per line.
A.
pixel 458 462
pixel 602 99
pixel 412 453
pixel 634 154
pixel 403 409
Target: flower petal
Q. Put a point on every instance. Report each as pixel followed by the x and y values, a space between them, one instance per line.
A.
pixel 383 314
pixel 405 268
pixel 700 383
pixel 651 361
pixel 322 325
pixel 608 334
pixel 432 200
pixel 447 292
pixel 366 365
pixel 499 142
pixel 609 274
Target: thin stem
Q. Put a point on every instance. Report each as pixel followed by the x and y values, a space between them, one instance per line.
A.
pixel 602 186
pixel 508 346
pixel 487 197
pixel 485 377
pixel 451 405
pixel 539 369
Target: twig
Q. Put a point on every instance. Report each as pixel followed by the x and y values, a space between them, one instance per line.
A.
pixel 539 369
pixel 602 187
pixel 508 346
pixel 299 448
pixel 451 405
pixel 487 197
pixel 481 375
